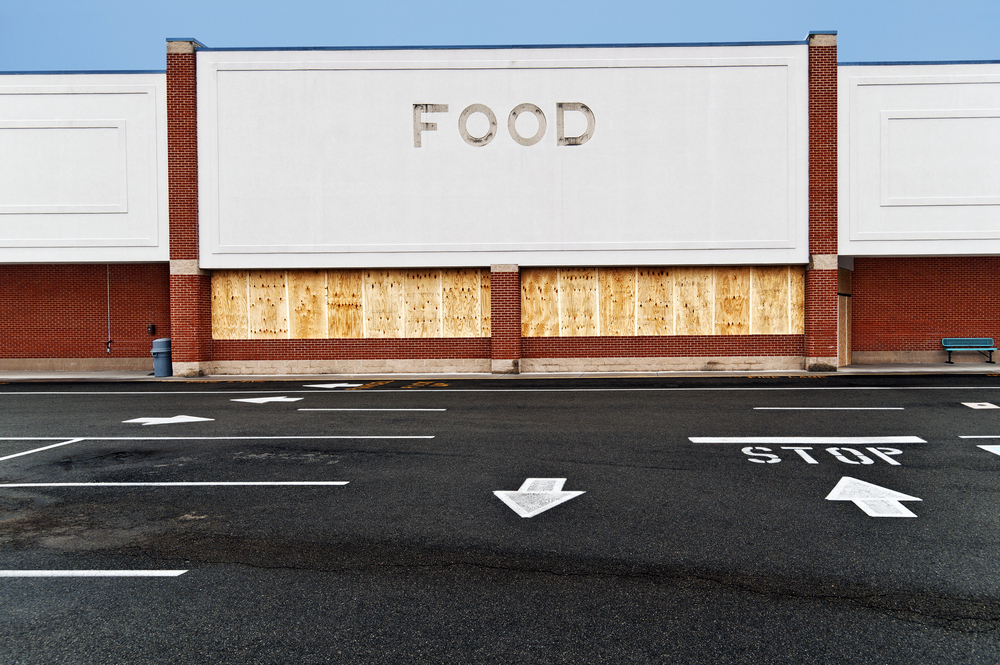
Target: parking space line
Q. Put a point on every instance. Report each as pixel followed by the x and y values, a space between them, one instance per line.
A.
pixel 92 573
pixel 828 408
pixel 276 483
pixel 207 438
pixel 38 450
pixel 373 409
pixel 833 440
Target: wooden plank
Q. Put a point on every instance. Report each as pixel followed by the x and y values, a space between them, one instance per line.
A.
pixel 230 319
pixel 422 300
pixel 268 305
pixel 694 290
pixel 344 304
pixel 539 302
pixel 616 294
pixel 461 312
pixel 732 301
pixel 769 295
pixel 797 300
pixel 654 290
pixel 383 303
pixel 843 330
pixel 307 304
pixel 485 304
pixel 578 309
pixel 844 281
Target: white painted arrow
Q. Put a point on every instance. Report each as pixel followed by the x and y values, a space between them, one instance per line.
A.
pixel 536 496
pixel 168 421
pixel 876 501
pixel 991 449
pixel 265 400
pixel 335 385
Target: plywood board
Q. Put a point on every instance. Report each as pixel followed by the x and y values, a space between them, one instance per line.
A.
pixel 732 301
pixel 307 304
pixel 539 302
pixel 422 301
pixel 268 305
pixel 616 294
pixel 578 310
pixel 230 319
pixel 654 289
pixel 384 303
pixel 485 304
pixel 461 291
pixel 770 300
pixel 344 304
pixel 797 300
pixel 694 295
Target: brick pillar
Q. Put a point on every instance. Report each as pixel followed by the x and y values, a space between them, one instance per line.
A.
pixel 190 287
pixel 505 315
pixel 821 274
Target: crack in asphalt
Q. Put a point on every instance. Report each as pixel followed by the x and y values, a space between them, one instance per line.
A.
pixel 957 613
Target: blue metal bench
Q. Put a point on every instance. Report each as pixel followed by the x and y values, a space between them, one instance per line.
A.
pixel 984 345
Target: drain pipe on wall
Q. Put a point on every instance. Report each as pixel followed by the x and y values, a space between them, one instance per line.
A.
pixel 107 274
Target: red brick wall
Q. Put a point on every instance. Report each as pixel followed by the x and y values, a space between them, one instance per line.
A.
pixel 910 303
pixel 350 349
pixel 191 318
pixel 821 305
pixel 530 347
pixel 653 346
pixel 822 149
pixel 191 294
pixel 182 154
pixel 505 315
pixel 61 311
pixel 821 285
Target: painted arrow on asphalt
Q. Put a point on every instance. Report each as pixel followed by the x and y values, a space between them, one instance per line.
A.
pixel 168 421
pixel 336 385
pixel 536 496
pixel 265 400
pixel 991 449
pixel 874 500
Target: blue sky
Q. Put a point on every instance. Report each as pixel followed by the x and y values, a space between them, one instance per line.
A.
pixel 47 35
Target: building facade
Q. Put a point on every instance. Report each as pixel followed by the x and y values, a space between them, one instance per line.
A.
pixel 691 207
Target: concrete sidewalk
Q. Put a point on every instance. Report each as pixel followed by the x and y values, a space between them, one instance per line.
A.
pixel 113 376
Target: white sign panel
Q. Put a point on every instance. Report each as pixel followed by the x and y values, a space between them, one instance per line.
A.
pixel 918 159
pixel 84 173
pixel 600 156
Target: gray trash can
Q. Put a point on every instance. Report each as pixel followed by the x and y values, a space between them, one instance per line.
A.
pixel 162 365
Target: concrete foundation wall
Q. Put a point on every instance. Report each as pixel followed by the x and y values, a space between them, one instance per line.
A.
pixel 904 357
pixel 76 364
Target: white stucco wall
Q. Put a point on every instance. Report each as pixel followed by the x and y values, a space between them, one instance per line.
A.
pixel 698 156
pixel 83 173
pixel 919 172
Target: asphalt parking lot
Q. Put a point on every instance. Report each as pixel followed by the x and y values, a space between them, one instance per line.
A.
pixel 836 519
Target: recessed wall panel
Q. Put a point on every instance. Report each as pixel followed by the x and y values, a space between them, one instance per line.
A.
pixel 48 175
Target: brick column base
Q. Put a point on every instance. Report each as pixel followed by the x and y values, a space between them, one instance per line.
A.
pixel 505 315
pixel 190 322
pixel 821 320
